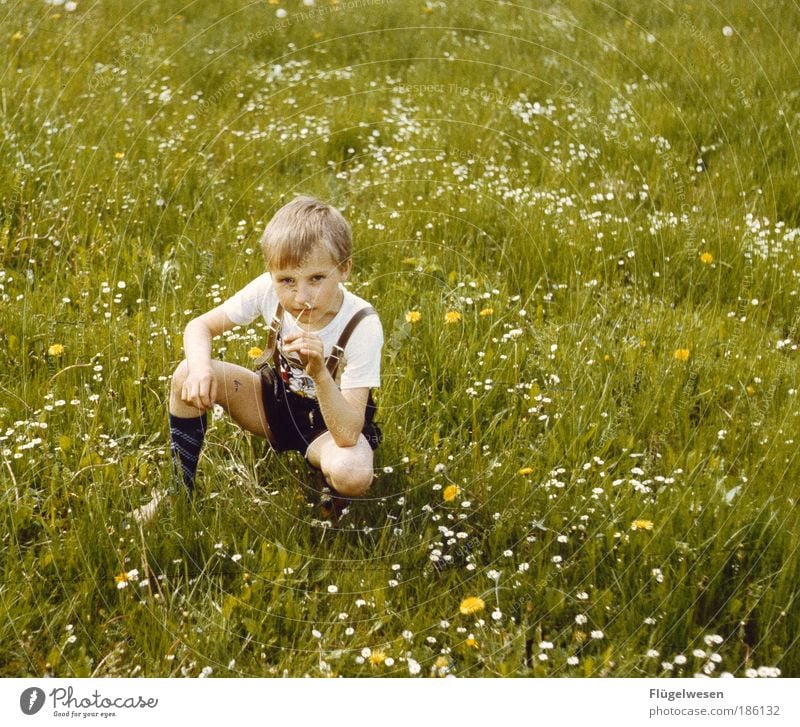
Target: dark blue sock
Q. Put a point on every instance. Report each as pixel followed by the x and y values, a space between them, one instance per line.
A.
pixel 187 435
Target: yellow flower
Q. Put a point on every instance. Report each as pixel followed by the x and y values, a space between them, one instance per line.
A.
pixel 119 155
pixel 642 344
pixel 121 580
pixel 55 350
pixel 606 358
pixel 486 312
pixel 254 352
pixel 17 36
pixel 413 316
pixel 682 354
pixel 450 493
pixel 525 471
pixel 750 390
pixel 472 643
pixel 452 316
pixel 471 604
pixel 706 258
pixel 642 525
pixel 377 657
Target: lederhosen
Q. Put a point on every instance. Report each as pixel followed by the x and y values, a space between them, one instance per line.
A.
pixel 294 420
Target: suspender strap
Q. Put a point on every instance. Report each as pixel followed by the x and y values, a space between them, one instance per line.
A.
pixel 332 362
pixel 336 352
pixel 271 350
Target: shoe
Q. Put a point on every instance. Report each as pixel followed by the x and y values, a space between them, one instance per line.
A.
pixel 332 507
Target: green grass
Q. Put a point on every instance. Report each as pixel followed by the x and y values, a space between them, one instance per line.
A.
pixel 552 164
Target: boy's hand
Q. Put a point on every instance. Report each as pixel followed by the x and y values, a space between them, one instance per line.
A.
pixel 309 347
pixel 200 388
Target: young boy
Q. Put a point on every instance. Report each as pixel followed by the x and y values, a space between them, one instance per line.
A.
pixel 313 389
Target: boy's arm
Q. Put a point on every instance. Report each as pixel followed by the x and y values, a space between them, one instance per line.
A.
pixel 343 411
pixel 199 388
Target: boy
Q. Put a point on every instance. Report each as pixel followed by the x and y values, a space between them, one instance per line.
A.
pixel 310 394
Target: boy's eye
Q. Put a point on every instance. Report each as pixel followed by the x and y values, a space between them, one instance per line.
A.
pixel 318 277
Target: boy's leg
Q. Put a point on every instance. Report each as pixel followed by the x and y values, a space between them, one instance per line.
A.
pixel 238 392
pixel 347 469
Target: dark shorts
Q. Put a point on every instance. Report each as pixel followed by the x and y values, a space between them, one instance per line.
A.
pixel 301 421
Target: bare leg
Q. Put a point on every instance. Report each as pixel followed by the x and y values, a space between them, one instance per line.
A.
pixel 347 469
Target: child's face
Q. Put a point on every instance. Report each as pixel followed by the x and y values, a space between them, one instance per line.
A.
pixel 312 289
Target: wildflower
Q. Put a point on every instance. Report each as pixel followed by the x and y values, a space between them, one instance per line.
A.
pixel 255 352
pixel 525 471
pixel 471 604
pixel 682 354
pixel 55 350
pixel 750 390
pixel 572 660
pixel 333 589
pixel 642 525
pixel 472 643
pixel 486 312
pixel 17 36
pixel 452 316
pixel 597 634
pixel 413 316
pixel 413 666
pixel 706 258
pixel 679 659
pixel 121 580
pixel 450 493
pixel 377 657
pixel 119 155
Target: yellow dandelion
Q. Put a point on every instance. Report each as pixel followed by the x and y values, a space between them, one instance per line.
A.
pixel 486 312
pixel 472 642
pixel 642 525
pixel 450 493
pixel 471 604
pixel 525 471
pixel 643 343
pixel 17 36
pixel 255 352
pixel 452 316
pixel 119 155
pixel 377 657
pixel 606 358
pixel 750 390
pixel 706 258
pixel 682 354
pixel 55 350
pixel 413 316
pixel 121 580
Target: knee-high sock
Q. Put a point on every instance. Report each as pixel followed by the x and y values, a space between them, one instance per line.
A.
pixel 187 435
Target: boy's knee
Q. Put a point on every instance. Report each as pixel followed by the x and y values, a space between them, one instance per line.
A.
pixel 180 374
pixel 350 480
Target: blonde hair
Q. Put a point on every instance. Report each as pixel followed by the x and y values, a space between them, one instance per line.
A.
pixel 298 227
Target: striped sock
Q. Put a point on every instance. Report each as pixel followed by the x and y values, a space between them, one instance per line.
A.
pixel 187 435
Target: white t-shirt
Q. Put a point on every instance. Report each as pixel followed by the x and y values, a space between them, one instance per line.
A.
pixel 360 365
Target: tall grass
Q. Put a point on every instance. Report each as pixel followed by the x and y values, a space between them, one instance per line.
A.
pixel 606 193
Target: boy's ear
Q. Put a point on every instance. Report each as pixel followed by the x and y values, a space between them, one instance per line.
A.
pixel 346 267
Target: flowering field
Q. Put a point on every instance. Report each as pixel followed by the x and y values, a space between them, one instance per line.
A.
pixel 579 224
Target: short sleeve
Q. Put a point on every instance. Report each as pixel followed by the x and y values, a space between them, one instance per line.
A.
pixel 250 302
pixel 362 355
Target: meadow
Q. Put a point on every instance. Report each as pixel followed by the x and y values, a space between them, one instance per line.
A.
pixel 579 224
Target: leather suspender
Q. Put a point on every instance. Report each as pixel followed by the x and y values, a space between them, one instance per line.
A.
pixel 332 362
